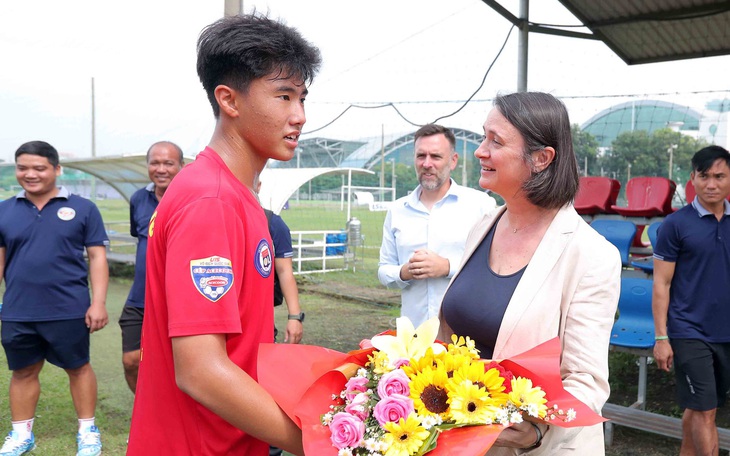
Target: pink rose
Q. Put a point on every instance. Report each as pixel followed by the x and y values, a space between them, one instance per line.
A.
pixel 393 408
pixel 394 382
pixel 347 430
pixel 401 362
pixel 354 386
pixel 358 406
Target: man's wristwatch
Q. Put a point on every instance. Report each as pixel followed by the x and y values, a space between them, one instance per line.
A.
pixel 299 317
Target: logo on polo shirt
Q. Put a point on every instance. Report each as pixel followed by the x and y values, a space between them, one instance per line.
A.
pixel 212 276
pixel 263 260
pixel 66 213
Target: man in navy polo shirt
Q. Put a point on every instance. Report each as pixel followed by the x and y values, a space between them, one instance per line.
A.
pixel 164 161
pixel 691 300
pixel 47 313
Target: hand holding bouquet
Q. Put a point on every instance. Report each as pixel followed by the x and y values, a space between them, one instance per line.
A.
pixel 406 394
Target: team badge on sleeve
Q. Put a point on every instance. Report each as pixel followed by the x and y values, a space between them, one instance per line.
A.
pixel 264 259
pixel 212 276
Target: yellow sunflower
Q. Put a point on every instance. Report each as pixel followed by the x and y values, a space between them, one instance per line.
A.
pixel 428 361
pixel 455 361
pixel 490 381
pixel 404 437
pixel 429 394
pixel 471 404
pixel 528 398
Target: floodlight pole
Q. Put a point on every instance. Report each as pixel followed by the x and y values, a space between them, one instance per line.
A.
pixel 92 186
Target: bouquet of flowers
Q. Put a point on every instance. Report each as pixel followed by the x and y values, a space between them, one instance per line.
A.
pixel 405 394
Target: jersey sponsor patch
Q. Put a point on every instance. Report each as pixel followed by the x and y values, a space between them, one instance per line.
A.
pixel 264 259
pixel 66 213
pixel 212 276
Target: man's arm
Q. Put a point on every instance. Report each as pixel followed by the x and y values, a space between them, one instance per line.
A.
pixel 288 283
pixel 663 274
pixel 2 264
pixel 391 272
pixel 204 371
pixel 96 316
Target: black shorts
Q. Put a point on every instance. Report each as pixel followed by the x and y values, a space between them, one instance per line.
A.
pixel 702 370
pixel 131 324
pixel 64 343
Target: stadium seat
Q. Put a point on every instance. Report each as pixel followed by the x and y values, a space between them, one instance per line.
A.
pixel 689 192
pixel 648 197
pixel 596 195
pixel 647 264
pixel 619 233
pixel 633 331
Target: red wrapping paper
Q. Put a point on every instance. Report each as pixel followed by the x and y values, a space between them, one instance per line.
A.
pixel 303 378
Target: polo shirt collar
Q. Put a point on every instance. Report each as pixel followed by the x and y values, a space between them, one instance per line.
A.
pixel 702 211
pixel 62 193
pixel 150 187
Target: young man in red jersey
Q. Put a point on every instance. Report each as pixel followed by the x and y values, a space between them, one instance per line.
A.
pixel 209 262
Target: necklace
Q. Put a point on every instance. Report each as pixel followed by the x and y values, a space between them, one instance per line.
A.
pixel 515 230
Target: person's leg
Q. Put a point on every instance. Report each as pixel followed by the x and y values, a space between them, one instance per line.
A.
pixel 82 383
pixel 25 390
pixel 69 349
pixel 695 371
pixel 25 350
pixel 130 322
pixel 699 433
pixel 130 361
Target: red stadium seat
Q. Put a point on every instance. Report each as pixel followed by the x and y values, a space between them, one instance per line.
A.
pixel 689 192
pixel 648 197
pixel 596 195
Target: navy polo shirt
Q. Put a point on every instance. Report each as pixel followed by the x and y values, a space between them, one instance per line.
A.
pixel 699 296
pixel 46 275
pixel 142 205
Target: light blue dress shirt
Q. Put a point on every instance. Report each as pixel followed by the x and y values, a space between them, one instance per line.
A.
pixel 410 226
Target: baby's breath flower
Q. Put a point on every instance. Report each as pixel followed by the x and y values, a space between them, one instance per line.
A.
pixel 430 421
pixel 571 415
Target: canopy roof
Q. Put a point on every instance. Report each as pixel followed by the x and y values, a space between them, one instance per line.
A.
pixel 279 184
pixel 646 31
pixel 128 173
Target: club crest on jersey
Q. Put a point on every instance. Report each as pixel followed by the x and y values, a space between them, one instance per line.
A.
pixel 263 260
pixel 212 276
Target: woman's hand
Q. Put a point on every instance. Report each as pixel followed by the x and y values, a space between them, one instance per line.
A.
pixel 521 435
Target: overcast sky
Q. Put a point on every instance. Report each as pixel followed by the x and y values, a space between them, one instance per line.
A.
pixel 425 56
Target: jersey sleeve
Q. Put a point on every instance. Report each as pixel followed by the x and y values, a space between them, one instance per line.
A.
pixel 204 268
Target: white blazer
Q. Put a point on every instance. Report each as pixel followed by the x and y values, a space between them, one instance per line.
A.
pixel 570 289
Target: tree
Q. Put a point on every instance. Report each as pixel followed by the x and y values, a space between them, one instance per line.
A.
pixel 648 154
pixel 585 146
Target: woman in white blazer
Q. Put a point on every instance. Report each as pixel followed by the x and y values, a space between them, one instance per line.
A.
pixel 534 270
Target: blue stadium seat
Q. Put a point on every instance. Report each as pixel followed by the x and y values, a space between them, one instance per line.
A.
pixel 647 264
pixel 619 233
pixel 635 325
pixel 633 331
